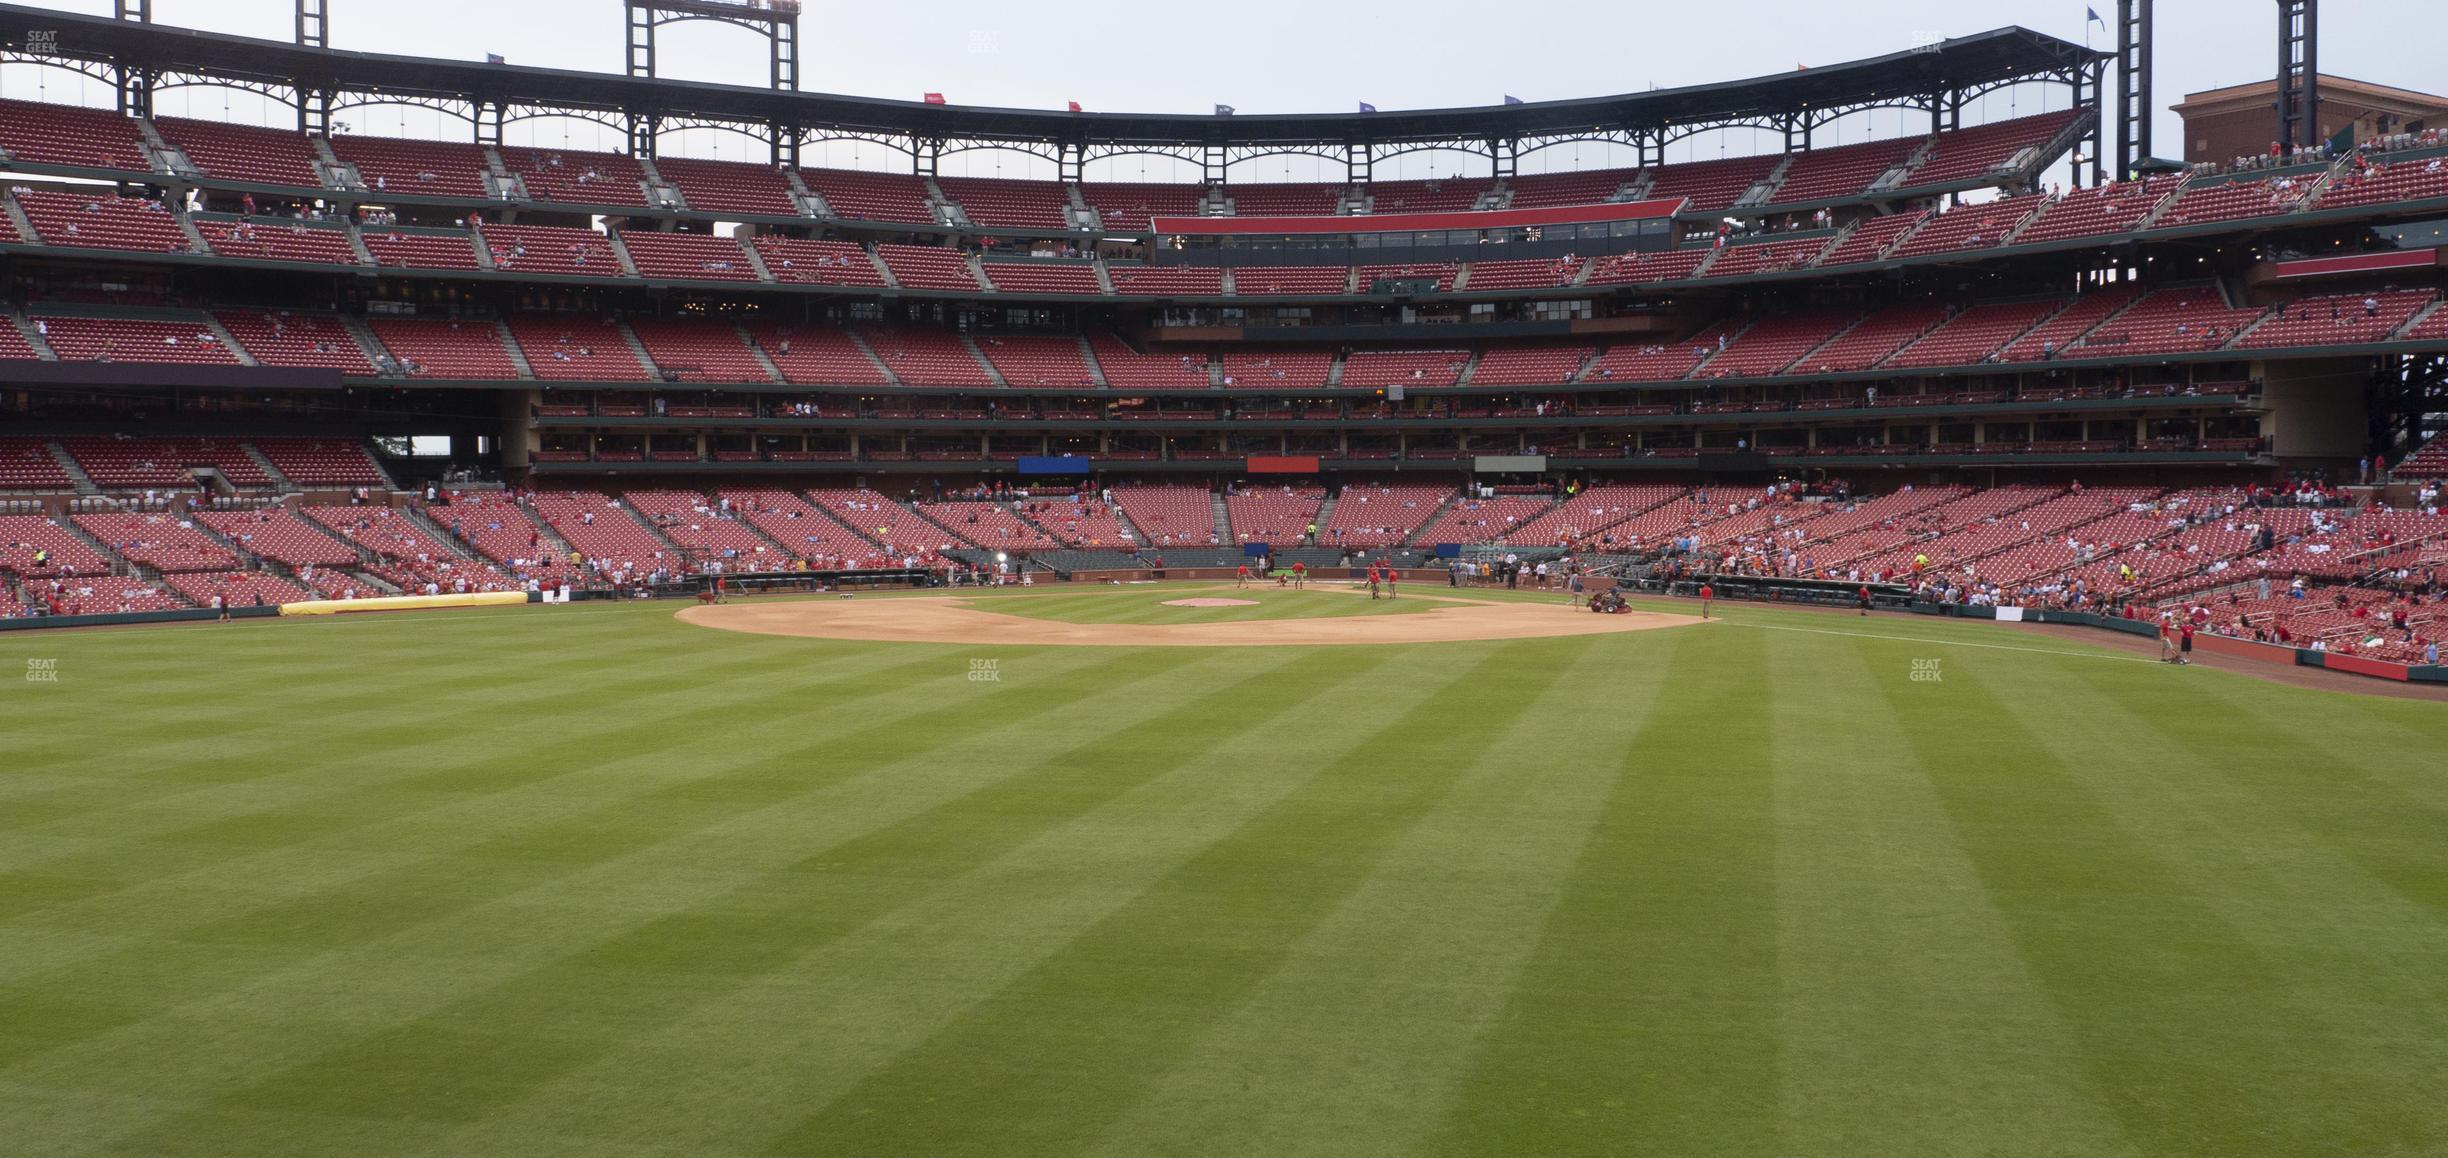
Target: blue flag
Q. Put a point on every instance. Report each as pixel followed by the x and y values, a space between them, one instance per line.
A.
pixel 1367 107
pixel 2095 16
pixel 1511 99
pixel 1224 110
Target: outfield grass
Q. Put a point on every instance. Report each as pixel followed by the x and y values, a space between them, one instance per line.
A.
pixel 590 881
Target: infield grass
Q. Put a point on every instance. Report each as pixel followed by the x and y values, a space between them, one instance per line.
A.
pixel 590 881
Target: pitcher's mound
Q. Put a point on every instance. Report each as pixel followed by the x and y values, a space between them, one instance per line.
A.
pixel 953 619
pixel 1211 603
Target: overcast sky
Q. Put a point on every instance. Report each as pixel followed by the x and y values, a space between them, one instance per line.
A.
pixel 1280 56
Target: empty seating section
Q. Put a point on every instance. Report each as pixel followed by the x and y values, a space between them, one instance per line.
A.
pixel 1277 369
pixel 699 351
pixel 901 531
pixel 1663 265
pixel 35 133
pixel 99 594
pixel 1285 200
pixel 410 557
pixel 571 347
pixel 245 154
pixel 2168 321
pixel 124 340
pixel 281 535
pixel 271 239
pixel 991 526
pixel 1371 515
pixel 861 196
pixel 1128 369
pixel 1971 336
pixel 1440 273
pixel 1660 361
pixel 928 267
pixel 1125 207
pixel 576 178
pixel 1183 280
pixel 322 462
pixel 2430 460
pixel 817 355
pixel 445 347
pixel 2233 199
pixel 704 528
pixel 23 537
pixel 927 358
pixel 1038 362
pixel 2050 338
pixel 13 345
pixel 283 338
pixel 403 249
pixel 1450 195
pixel 402 168
pixel 27 464
pixel 238 589
pixel 1277 515
pixel 549 249
pixel 1372 369
pixel 1547 190
pixel 2431 328
pixel 1591 513
pixel 1711 185
pixel 802 530
pixel 2100 211
pixel 1773 343
pixel 2375 184
pixel 1871 238
pixel 1273 280
pixel 729 186
pixel 2338 319
pixel 695 256
pixel 157 540
pixel 501 530
pixel 1006 204
pixel 1529 365
pixel 1965 154
pixel 1843 171
pixel 136 463
pixel 101 221
pixel 1529 274
pixel 1482 521
pixel 603 532
pixel 1169 516
pixel 1869 343
pixel 1971 226
pixel 1043 277
pixel 793 261
pixel 1766 257
pixel 1078 521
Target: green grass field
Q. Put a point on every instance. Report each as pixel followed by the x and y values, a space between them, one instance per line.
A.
pixel 1144 605
pixel 590 881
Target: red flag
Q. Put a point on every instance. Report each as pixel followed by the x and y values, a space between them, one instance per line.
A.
pixel 934 98
pixel 1075 106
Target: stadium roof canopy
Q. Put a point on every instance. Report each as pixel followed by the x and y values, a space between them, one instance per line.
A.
pixel 1922 77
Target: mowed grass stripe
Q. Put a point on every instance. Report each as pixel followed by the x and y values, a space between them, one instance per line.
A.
pixel 1392 990
pixel 1105 1014
pixel 2354 941
pixel 1909 1020
pixel 973 878
pixel 1648 1010
pixel 2162 997
pixel 635 966
pixel 388 779
pixel 215 939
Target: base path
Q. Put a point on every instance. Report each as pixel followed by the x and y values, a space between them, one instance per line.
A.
pixel 952 619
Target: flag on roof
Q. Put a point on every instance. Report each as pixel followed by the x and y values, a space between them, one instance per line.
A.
pixel 494 58
pixel 1511 99
pixel 934 98
pixel 1224 110
pixel 2093 13
pixel 1367 107
pixel 1075 106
